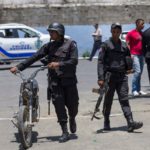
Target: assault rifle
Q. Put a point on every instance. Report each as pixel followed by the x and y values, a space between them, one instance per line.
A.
pixel 49 91
pixel 101 92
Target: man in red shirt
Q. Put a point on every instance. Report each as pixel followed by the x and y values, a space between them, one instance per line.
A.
pixel 134 42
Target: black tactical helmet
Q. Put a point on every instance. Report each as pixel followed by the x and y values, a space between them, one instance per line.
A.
pixel 57 27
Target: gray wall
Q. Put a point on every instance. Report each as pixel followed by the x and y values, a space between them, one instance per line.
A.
pixel 42 12
pixel 112 2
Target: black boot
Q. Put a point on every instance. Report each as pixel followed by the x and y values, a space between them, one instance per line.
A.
pixel 73 126
pixel 65 133
pixel 107 124
pixel 133 125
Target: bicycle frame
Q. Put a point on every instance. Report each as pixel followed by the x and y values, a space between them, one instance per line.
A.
pixel 28 102
pixel 28 90
pixel 26 97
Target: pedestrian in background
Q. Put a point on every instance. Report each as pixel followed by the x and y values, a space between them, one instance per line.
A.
pixel 62 61
pixel 146 48
pixel 97 36
pixel 134 42
pixel 113 58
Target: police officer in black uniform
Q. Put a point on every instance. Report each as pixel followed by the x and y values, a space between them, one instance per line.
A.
pixel 146 49
pixel 114 57
pixel 62 61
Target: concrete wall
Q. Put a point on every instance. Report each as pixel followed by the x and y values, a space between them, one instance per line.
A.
pixel 42 12
pixel 109 2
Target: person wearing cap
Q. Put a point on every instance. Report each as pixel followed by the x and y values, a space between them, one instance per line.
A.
pixel 134 42
pixel 113 58
pixel 62 55
pixel 97 36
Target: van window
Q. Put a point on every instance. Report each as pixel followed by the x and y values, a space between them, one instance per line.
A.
pixel 2 33
pixel 9 33
pixel 25 33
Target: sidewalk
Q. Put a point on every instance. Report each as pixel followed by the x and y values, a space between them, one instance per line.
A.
pixel 90 135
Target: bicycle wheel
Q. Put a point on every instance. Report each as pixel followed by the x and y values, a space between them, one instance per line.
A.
pixel 25 130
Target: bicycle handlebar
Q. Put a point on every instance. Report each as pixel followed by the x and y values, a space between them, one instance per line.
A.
pixel 33 75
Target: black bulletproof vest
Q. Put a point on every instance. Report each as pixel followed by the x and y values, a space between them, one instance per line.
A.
pixel 115 57
pixel 61 52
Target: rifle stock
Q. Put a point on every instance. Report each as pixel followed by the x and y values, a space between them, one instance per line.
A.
pixel 101 92
pixel 96 90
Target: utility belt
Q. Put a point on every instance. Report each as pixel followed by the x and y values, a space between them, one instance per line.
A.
pixel 63 81
pixel 116 70
pixel 117 73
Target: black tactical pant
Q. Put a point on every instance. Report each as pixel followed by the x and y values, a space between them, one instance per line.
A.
pixel 65 97
pixel 119 83
pixel 148 68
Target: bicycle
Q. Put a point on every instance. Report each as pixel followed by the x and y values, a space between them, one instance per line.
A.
pixel 28 107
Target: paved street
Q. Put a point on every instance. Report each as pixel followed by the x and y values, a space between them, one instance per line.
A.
pixel 90 135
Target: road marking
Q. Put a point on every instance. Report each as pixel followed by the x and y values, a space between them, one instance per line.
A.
pixel 3 119
pixel 53 117
pixel 79 116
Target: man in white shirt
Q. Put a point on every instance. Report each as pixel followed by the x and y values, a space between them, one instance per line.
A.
pixel 97 36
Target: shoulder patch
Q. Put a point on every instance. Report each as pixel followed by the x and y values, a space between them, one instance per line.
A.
pixel 74 44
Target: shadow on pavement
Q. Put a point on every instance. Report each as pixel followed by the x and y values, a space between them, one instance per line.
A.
pixel 56 138
pixel 34 139
pixel 122 128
